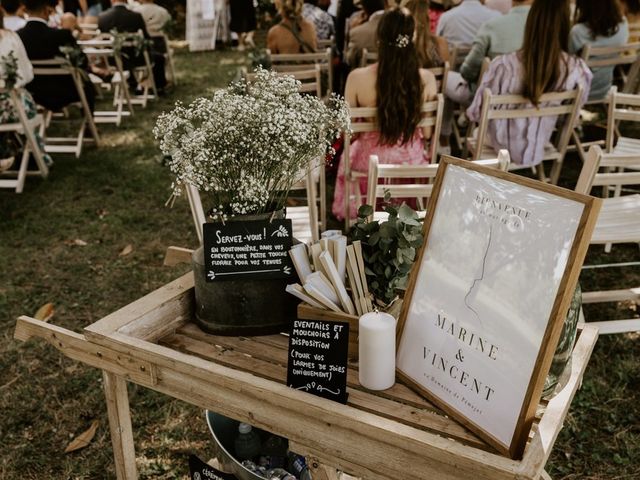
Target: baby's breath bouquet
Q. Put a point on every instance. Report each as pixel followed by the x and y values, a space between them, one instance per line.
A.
pixel 248 143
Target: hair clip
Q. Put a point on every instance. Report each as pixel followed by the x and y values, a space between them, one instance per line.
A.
pixel 402 41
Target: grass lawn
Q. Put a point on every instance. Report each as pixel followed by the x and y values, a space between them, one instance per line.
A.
pixel 114 197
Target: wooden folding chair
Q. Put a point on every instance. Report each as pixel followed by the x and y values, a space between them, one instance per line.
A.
pixel 440 73
pixel 622 107
pixel 363 120
pixel 304 219
pixel 310 82
pixel 101 51
pixel 24 127
pixel 619 57
pixel 459 110
pixel 509 107
pixel 168 55
pixel 287 62
pixel 59 67
pixel 309 78
pixel 457 53
pixel 322 45
pixel 144 72
pixel 619 222
pixel 419 180
pixel 613 57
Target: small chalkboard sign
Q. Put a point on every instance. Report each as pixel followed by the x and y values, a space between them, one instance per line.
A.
pixel 256 249
pixel 317 361
pixel 202 471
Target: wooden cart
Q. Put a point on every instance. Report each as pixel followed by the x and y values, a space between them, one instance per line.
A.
pixel 394 434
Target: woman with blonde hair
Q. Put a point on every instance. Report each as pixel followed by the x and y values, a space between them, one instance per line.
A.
pixel 432 50
pixel 293 34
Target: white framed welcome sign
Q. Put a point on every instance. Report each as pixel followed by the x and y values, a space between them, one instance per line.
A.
pixel 488 295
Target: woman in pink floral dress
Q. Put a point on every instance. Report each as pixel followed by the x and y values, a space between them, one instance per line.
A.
pixel 396 87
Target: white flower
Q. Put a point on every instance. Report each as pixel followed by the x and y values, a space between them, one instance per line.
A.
pixel 247 143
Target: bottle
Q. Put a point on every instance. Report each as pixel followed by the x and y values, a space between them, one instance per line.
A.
pixel 298 466
pixel 247 443
pixel 276 449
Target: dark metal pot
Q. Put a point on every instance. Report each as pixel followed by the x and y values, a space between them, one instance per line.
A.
pixel 243 306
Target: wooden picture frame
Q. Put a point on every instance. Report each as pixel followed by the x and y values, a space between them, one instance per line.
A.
pixel 503 419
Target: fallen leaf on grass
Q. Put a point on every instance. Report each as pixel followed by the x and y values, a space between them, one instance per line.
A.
pixel 83 439
pixel 77 241
pixel 126 251
pixel 45 312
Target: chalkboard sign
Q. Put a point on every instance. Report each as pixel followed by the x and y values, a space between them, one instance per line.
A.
pixel 257 249
pixel 202 471
pixel 318 358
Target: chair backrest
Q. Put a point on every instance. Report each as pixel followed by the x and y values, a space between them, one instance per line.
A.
pixel 508 107
pixel 457 54
pixel 634 32
pixel 287 62
pixel 418 178
pixel 61 67
pixel 622 107
pixel 310 79
pixel 324 44
pixel 616 170
pixel 363 119
pixel 599 57
pixel 440 73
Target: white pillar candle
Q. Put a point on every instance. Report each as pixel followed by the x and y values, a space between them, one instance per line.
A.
pixel 377 350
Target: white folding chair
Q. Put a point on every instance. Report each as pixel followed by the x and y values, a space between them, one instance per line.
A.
pixel 144 72
pixel 418 181
pixel 509 107
pixel 59 67
pixel 364 120
pixel 287 62
pixel 618 222
pixel 12 177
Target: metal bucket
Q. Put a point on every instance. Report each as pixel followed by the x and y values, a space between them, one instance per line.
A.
pixel 224 431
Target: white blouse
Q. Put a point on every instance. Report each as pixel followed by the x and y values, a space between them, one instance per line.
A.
pixel 10 42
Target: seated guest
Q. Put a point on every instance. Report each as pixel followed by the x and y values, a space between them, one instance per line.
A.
pixel 364 35
pixel 460 25
pixel 11 43
pixel 436 10
pixel 120 18
pixel 293 34
pixel 397 87
pixel 43 43
pixel 542 65
pixel 155 17
pixel 598 23
pixel 322 21
pixel 432 50
pixel 498 36
pixel 13 19
pixel 631 10
pixel 502 6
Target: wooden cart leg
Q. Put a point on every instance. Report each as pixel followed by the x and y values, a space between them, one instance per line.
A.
pixel 115 391
pixel 320 471
pixel 545 476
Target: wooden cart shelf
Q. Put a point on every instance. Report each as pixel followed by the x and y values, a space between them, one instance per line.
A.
pixel 394 434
